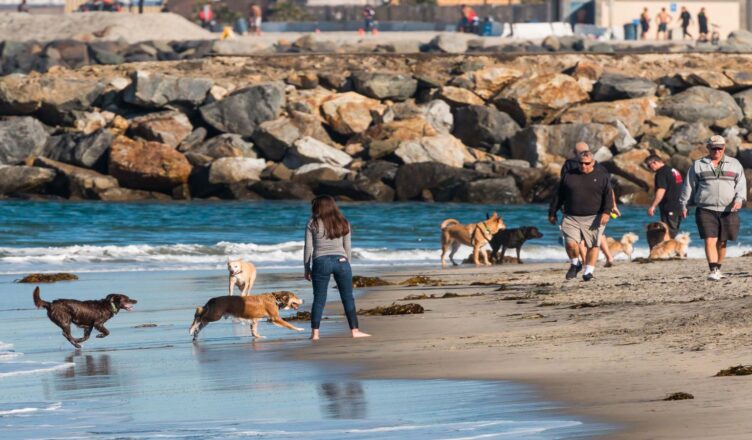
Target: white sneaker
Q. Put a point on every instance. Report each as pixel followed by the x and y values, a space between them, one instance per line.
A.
pixel 715 275
pixel 720 274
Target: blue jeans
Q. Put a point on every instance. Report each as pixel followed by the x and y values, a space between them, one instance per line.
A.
pixel 321 272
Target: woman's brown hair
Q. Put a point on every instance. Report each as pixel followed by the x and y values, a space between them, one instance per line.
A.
pixel 324 208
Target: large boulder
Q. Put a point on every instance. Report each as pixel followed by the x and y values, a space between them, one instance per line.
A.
pixel 501 190
pixel 542 145
pixel 245 109
pixel 313 173
pixel 69 53
pixel 744 155
pixel 380 170
pixel 350 113
pixel 431 181
pixel 744 100
pixel 52 98
pixel 458 96
pixel 224 145
pixel 740 37
pixel 228 170
pixel 309 150
pixel 707 78
pixel 21 137
pixel 147 165
pixel 169 127
pixel 23 179
pixel 74 182
pixel 483 127
pixel 384 85
pixel 154 90
pixel 538 96
pixel 274 138
pixel 613 86
pixel 630 166
pixel 439 114
pixel 491 80
pixel 19 56
pixel 702 104
pixel 282 190
pixel 384 138
pixel 89 151
pixel 687 137
pixel 448 43
pixel 362 189
pixel 631 112
pixel 445 149
pixel 586 73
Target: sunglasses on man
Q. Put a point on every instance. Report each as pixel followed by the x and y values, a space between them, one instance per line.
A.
pixel 586 164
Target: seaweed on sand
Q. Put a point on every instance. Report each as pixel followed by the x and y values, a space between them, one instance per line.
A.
pixel 361 281
pixel 738 370
pixel 434 296
pixel 300 316
pixel 394 309
pixel 679 396
pixel 47 278
pixel 421 280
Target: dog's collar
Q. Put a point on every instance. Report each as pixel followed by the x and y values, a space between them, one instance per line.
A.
pixel 114 308
pixel 483 233
pixel 236 273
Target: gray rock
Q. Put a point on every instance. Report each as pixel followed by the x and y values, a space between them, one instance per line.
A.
pixel 282 190
pixel 106 52
pixel 89 151
pixel 73 53
pixel 229 170
pixel 613 86
pixel 744 100
pixel 169 127
pixel 19 56
pixel 448 43
pixel 275 137
pixel 131 195
pixel 21 137
pixel 309 150
pixel 153 90
pixel 196 137
pixel 74 182
pixel 740 37
pixel 245 109
pixel 551 43
pixel 442 148
pixel 380 170
pixel 483 127
pixel 603 154
pixel 313 173
pixel 224 145
pixel 497 190
pixel 543 144
pixel 384 85
pixel 362 189
pixel 22 179
pixel 436 180
pixel 702 104
pixel 439 115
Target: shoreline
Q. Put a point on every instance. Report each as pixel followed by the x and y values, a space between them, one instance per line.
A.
pixel 609 350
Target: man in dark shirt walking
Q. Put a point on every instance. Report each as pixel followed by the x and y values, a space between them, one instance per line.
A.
pixel 586 199
pixel 686 19
pixel 668 186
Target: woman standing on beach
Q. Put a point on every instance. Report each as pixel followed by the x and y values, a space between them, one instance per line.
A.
pixel 327 245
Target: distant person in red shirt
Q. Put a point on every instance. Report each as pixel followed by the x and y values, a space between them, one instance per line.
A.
pixel 668 186
pixel 206 16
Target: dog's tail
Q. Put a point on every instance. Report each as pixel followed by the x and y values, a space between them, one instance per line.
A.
pixel 38 301
pixel 448 222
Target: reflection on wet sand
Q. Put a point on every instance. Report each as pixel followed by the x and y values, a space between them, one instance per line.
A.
pixel 90 371
pixel 343 400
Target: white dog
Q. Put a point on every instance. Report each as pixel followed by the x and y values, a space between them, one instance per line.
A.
pixel 243 274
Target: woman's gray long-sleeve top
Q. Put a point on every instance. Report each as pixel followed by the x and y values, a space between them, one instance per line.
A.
pixel 317 245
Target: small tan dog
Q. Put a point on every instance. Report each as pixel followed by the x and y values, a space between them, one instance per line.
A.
pixel 673 246
pixel 625 245
pixel 242 273
pixel 477 235
pixel 252 307
pixel 657 232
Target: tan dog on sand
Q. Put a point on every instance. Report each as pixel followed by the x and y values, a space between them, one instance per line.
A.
pixel 674 246
pixel 242 273
pixel 625 245
pixel 253 307
pixel 454 234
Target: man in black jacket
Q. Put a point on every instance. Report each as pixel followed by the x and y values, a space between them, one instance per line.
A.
pixel 585 197
pixel 668 187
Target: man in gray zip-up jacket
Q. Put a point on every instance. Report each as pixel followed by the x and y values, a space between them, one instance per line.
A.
pixel 716 184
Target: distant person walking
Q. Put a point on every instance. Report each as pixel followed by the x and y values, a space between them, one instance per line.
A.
pixel 206 17
pixel 716 184
pixel 326 253
pixel 686 19
pixel 369 18
pixel 469 19
pixel 23 7
pixel 663 18
pixel 585 198
pixel 668 187
pixel 702 23
pixel 254 20
pixel 644 23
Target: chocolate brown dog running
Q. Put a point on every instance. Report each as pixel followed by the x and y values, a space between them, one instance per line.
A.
pixel 454 234
pixel 85 314
pixel 252 307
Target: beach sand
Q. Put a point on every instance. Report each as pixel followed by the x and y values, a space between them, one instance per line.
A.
pixel 610 349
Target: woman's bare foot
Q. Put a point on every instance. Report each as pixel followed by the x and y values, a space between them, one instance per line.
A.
pixel 359 334
pixel 314 335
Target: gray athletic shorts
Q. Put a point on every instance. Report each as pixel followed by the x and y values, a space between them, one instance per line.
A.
pixel 582 228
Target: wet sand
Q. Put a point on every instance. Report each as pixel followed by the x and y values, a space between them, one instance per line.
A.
pixel 612 348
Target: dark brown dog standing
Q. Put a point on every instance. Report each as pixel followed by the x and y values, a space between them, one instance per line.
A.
pixel 87 315
pixel 657 232
pixel 512 238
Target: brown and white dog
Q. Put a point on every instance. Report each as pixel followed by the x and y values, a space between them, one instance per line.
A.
pixel 454 234
pixel 252 307
pixel 242 274
pixel 625 245
pixel 673 246
pixel 657 232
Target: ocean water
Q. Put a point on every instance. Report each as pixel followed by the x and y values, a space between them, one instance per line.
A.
pixel 90 236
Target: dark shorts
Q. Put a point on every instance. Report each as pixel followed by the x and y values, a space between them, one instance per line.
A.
pixel 662 27
pixel 645 26
pixel 673 220
pixel 723 225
